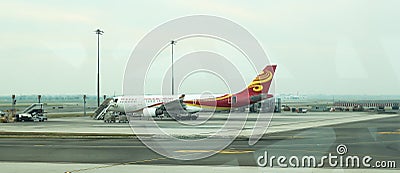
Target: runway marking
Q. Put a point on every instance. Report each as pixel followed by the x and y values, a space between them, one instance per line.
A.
pixel 389 133
pixel 194 151
pixel 235 151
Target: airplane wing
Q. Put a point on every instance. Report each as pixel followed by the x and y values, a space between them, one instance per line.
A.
pixel 174 107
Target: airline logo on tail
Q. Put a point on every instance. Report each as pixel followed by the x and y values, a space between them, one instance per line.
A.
pixel 263 77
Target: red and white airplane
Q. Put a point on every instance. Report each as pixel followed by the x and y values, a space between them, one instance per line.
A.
pixel 158 106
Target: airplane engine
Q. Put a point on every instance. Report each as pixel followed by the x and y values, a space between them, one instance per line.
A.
pixel 193 109
pixel 152 112
pixel 149 112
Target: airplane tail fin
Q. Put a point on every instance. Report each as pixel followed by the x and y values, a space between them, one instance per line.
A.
pixel 255 92
pixel 259 87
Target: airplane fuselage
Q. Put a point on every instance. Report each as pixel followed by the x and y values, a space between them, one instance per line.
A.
pixel 256 91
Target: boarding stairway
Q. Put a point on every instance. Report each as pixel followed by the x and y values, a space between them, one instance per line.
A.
pixel 102 109
pixel 33 106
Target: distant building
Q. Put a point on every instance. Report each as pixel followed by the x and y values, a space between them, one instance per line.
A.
pixel 394 104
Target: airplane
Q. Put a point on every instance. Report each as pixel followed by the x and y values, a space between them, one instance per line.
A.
pixel 160 106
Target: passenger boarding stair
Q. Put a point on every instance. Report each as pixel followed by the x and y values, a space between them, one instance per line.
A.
pixel 33 106
pixel 102 109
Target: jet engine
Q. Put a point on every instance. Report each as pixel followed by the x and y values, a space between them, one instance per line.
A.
pixel 152 112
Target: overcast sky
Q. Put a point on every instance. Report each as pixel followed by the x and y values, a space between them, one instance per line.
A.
pixel 320 47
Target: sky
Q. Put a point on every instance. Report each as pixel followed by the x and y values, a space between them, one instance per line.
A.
pixel 320 47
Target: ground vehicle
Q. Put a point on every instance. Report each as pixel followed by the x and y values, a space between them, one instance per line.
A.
pixel 23 117
pixel 113 118
pixel 39 117
pixel 32 115
pixel 3 119
pixel 29 117
pixel 302 110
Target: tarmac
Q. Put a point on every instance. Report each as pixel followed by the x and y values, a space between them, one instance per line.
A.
pixel 281 122
pixel 12 167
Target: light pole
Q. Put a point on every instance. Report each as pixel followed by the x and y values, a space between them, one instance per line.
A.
pixel 172 66
pixel 98 32
pixel 84 105
pixel 14 101
pixel 39 97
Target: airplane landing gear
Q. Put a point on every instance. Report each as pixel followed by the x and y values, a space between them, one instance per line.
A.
pixel 184 116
